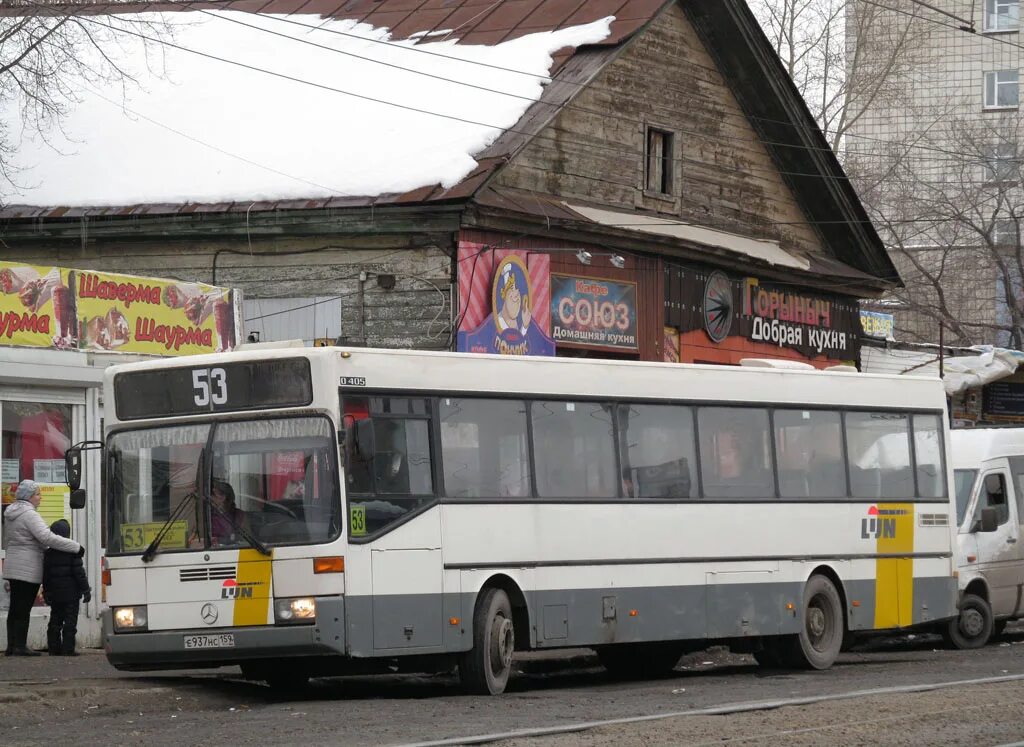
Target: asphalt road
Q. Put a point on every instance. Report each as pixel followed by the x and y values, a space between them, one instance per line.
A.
pixel 85 702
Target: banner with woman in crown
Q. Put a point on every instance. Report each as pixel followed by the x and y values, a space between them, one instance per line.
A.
pixel 511 328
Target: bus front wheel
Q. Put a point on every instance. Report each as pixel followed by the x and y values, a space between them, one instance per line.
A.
pixel 485 669
pixel 820 639
pixel 973 627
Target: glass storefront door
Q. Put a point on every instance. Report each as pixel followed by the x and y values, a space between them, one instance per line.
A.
pixel 35 429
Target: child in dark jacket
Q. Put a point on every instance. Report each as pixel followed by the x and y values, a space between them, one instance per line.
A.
pixel 64 583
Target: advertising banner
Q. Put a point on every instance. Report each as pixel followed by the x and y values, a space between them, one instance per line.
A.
pixel 55 307
pixel 504 298
pixel 593 313
pixel 877 324
pixel 814 324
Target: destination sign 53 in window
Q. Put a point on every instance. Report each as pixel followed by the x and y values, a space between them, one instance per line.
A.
pixel 188 390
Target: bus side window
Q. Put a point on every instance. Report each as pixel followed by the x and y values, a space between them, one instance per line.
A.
pixel 658 451
pixel 931 478
pixel 879 454
pixel 735 452
pixel 809 449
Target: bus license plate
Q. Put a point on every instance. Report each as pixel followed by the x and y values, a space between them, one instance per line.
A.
pixel 222 640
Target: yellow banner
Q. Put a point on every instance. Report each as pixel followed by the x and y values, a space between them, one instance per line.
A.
pixel 56 502
pixel 97 311
pixel 138 536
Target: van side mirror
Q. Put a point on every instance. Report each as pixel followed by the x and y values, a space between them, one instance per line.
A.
pixel 78 498
pixel 989 520
pixel 994 484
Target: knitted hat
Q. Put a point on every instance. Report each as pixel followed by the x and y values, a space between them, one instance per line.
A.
pixel 61 527
pixel 26 490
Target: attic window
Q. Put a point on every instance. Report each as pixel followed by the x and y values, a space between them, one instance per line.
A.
pixel 659 160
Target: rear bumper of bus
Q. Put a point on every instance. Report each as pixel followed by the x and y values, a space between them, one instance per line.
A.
pixel 165 649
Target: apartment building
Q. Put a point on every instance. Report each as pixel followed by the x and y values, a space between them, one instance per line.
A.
pixel 935 149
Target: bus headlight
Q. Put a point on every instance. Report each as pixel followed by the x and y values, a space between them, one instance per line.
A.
pixel 130 618
pixel 299 610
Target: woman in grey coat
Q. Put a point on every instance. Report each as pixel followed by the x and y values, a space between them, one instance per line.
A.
pixel 26 538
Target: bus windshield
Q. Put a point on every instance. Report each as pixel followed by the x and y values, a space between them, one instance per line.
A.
pixel 275 480
pixel 963 480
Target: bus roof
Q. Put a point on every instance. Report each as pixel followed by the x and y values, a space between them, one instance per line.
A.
pixel 431 371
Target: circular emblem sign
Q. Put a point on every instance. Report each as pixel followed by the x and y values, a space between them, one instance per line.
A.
pixel 718 306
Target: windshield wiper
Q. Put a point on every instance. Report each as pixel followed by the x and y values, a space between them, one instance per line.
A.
pixel 256 544
pixel 150 552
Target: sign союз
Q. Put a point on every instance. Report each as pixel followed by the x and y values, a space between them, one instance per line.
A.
pixel 590 312
pixel 56 307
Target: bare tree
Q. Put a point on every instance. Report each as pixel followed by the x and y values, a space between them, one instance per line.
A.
pixel 842 80
pixel 954 230
pixel 51 54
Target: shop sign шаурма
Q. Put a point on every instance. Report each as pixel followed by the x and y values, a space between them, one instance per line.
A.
pixel 590 312
pixel 55 307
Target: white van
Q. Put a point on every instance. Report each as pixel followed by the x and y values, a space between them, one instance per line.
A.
pixel 988 474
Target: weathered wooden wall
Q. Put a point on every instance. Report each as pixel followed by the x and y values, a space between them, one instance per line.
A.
pixel 725 177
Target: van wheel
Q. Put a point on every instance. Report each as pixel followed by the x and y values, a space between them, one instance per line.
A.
pixel 973 627
pixel 485 668
pixel 820 639
pixel 638 661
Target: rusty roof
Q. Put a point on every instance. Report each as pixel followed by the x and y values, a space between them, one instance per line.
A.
pixel 471 22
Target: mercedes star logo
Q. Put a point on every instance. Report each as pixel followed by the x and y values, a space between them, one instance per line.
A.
pixel 209 614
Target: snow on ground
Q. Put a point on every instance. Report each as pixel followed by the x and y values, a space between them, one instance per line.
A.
pixel 199 130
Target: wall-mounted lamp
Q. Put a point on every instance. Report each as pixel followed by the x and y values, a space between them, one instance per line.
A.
pixel 617 261
pixel 584 256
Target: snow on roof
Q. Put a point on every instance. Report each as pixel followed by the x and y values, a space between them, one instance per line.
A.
pixel 196 129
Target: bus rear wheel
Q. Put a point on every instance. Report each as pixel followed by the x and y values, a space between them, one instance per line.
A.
pixel 485 669
pixel 820 639
pixel 637 661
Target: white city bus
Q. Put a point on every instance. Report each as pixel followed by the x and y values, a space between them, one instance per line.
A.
pixel 414 509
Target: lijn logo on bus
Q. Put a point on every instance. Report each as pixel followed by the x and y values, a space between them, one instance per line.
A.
pixel 880 523
pixel 231 589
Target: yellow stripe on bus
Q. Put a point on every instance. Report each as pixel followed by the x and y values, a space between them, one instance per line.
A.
pixel 894 577
pixel 254 572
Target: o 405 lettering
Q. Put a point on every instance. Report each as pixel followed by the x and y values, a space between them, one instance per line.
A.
pixel 353 381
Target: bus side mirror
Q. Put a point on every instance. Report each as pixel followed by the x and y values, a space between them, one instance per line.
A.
pixel 73 469
pixel 78 498
pixel 989 520
pixel 994 484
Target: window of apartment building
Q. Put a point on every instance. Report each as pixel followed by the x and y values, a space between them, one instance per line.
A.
pixel 1001 163
pixel 1002 15
pixel 1001 89
pixel 1004 232
pixel 658 170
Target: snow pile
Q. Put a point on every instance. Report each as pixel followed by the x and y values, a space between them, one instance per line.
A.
pixel 195 129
